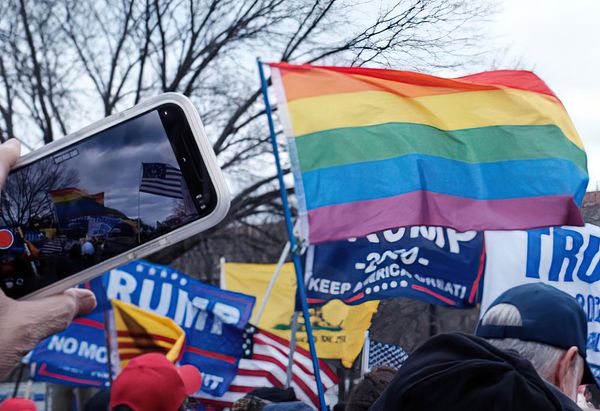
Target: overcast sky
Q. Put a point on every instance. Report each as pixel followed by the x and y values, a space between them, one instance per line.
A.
pixel 117 173
pixel 560 41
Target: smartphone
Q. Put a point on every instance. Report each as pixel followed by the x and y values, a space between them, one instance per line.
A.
pixel 119 189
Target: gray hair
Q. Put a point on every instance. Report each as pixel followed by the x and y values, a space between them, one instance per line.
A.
pixel 545 358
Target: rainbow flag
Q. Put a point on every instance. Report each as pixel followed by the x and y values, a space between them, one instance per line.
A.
pixel 376 149
pixel 71 194
pixel 71 203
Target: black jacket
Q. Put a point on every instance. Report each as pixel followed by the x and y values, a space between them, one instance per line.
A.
pixel 462 372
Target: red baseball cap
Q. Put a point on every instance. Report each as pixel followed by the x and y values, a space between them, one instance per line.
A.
pixel 151 382
pixel 17 404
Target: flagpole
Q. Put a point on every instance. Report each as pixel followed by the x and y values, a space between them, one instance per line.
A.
pixel 290 367
pixel 139 213
pixel 107 338
pixel 265 299
pixel 364 364
pixel 293 245
pixel 18 382
pixel 222 281
pixel 108 346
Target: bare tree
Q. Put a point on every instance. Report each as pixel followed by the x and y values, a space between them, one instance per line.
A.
pixel 409 322
pixel 34 71
pixel 118 52
pixel 25 198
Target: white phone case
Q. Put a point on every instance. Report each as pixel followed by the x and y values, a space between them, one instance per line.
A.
pixel 195 227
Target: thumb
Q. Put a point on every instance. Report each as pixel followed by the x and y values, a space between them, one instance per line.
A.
pixel 85 300
pixel 53 314
pixel 23 324
pixel 9 153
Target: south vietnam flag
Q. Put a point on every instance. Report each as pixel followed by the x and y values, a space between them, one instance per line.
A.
pixel 140 332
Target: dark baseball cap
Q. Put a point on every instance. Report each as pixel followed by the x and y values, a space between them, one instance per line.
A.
pixel 549 316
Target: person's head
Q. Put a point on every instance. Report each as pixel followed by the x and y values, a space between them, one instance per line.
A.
pixel 270 399
pixel 366 392
pixel 17 404
pixel 545 326
pixel 585 392
pixel 98 402
pixel 87 249
pixel 274 394
pixel 457 372
pixel 151 382
pixel 249 403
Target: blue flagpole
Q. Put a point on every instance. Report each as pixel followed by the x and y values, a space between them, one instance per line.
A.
pixel 293 244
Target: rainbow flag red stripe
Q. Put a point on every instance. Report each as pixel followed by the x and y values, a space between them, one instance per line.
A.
pixel 374 149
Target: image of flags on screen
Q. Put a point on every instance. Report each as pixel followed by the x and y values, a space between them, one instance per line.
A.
pixel 72 203
pixel 53 246
pixel 161 179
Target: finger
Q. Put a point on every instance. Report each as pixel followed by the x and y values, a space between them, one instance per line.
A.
pixel 85 300
pixel 9 154
pixel 53 314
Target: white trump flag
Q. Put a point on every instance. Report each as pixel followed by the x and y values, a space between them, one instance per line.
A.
pixel 564 257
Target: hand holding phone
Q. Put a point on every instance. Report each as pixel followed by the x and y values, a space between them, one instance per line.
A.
pixel 25 323
pixel 119 189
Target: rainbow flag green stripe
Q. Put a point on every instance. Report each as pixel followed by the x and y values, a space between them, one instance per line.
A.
pixel 376 149
pixel 344 146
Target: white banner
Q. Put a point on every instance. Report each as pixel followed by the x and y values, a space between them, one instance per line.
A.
pixel 564 257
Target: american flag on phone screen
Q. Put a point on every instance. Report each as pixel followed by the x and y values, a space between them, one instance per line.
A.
pixel 161 179
pixel 54 246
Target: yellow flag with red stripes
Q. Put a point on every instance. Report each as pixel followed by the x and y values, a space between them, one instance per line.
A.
pixel 140 332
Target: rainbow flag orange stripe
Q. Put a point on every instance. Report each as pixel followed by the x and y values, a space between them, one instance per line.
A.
pixel 373 149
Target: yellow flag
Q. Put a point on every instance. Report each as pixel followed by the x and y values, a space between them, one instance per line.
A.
pixel 140 332
pixel 339 329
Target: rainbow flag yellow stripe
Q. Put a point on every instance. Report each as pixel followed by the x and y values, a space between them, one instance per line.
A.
pixel 455 111
pixel 374 149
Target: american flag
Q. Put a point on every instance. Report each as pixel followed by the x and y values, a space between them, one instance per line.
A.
pixel 161 179
pixel 54 246
pixel 384 354
pixel 267 367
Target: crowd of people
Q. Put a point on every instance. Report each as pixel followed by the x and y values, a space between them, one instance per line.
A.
pixel 527 353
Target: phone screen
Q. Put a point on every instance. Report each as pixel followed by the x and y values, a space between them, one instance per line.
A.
pixel 99 198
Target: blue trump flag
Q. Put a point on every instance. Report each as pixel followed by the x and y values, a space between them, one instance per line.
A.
pixel 78 355
pixel 433 264
pixel 214 320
